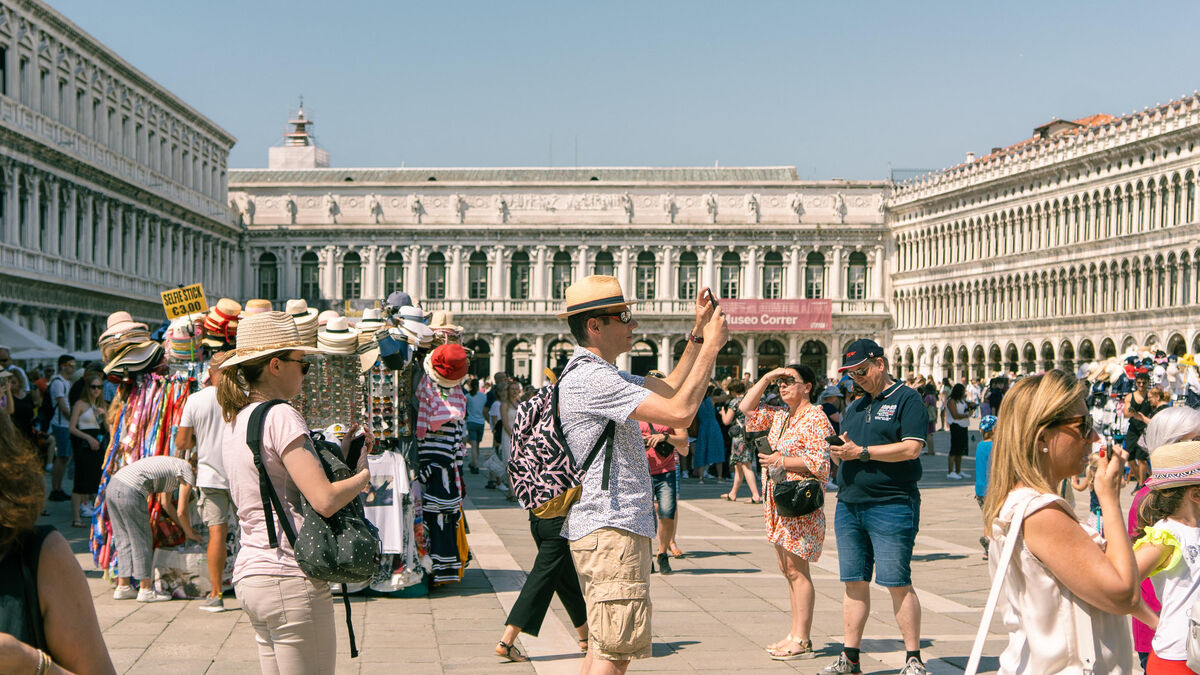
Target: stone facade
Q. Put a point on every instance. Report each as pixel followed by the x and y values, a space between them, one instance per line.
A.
pixel 497 247
pixel 111 188
pixel 1078 243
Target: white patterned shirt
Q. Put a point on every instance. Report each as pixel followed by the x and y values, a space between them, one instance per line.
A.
pixel 591 395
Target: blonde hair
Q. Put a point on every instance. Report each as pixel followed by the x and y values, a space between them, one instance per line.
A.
pixel 233 388
pixel 1031 406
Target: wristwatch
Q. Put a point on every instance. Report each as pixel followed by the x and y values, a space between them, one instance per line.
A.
pixel 865 454
pixel 697 339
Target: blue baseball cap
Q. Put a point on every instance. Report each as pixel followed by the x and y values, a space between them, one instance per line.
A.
pixel 859 351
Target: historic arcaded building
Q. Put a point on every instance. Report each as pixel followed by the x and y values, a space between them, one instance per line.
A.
pixel 1077 243
pixel 497 247
pixel 111 188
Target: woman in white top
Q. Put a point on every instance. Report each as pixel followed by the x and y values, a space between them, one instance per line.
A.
pixel 292 615
pixel 509 399
pixel 89 439
pixel 1066 588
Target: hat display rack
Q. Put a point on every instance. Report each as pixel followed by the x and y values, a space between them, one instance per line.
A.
pixel 1111 380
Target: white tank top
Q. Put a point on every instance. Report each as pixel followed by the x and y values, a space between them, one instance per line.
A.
pixel 1039 612
pixel 87 420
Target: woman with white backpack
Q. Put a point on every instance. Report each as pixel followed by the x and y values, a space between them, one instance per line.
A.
pixel 1066 589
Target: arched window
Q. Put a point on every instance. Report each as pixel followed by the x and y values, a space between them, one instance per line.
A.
pixel 310 278
pixel 393 273
pixel 814 276
pixel 731 274
pixel 268 277
pixel 1148 221
pixel 604 264
pixel 1117 212
pixel 772 275
pixel 1162 202
pixel 351 276
pixel 856 278
pixel 646 276
pixel 518 276
pixel 477 276
pixel 1176 201
pixel 688 284
pixel 435 276
pixel 560 275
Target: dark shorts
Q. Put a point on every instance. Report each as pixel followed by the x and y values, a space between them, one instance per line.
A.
pixel 958 440
pixel 879 537
pixel 62 440
pixel 1134 449
pixel 665 493
pixel 474 432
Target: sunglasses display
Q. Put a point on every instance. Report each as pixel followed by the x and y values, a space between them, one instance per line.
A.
pixel 333 391
pixel 386 392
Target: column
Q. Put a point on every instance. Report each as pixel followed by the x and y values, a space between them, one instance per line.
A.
pixel 496 358
pixel 750 357
pixel 752 289
pixel 69 338
pixel 877 274
pixel 113 213
pixel 33 219
pixel 665 355
pixel 288 286
pixel 625 272
pixel 70 247
pixel 537 292
pixel 413 275
pixel 835 276
pixel 455 290
pixel 328 258
pixel 666 273
pixel 623 362
pixel 370 286
pixel 583 263
pixel 54 242
pixel 793 348
pixel 795 282
pixel 12 176
pixel 499 286
pixel 536 377
pixel 709 274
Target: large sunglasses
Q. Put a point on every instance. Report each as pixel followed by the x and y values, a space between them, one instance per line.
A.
pixel 624 317
pixel 859 372
pixel 1084 421
pixel 785 380
pixel 304 365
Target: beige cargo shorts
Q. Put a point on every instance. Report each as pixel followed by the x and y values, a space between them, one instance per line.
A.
pixel 614 573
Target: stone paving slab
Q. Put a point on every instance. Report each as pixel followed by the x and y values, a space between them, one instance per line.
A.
pixel 725 600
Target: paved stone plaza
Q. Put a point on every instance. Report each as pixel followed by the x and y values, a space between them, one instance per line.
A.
pixel 725 600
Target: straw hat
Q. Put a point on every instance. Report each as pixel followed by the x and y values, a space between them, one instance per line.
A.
pixel 135 358
pixel 182 341
pixel 443 320
pixel 594 292
pixel 257 306
pixel 1187 360
pixel 221 324
pixel 448 365
pixel 1174 465
pixel 305 318
pixel 371 321
pixel 338 337
pixel 266 333
pixel 119 322
pixel 324 317
pixel 412 322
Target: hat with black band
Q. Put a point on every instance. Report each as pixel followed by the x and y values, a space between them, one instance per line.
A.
pixel 594 292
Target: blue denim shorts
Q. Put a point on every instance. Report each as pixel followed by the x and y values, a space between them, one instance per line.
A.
pixel 665 493
pixel 474 432
pixel 879 536
pixel 62 440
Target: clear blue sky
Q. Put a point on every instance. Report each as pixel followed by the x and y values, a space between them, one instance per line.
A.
pixel 836 89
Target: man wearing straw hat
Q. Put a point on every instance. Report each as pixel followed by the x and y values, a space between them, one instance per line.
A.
pixel 610 528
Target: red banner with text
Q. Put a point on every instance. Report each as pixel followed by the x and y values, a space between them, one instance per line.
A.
pixel 778 315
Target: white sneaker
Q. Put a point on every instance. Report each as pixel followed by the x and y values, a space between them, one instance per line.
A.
pixel 963 474
pixel 151 595
pixel 85 512
pixel 953 476
pixel 125 593
pixel 502 487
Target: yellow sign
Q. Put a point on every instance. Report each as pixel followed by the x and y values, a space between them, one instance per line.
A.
pixel 184 300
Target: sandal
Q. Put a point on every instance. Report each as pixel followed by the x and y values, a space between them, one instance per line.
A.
pixel 76 523
pixel 726 497
pixel 752 500
pixel 583 645
pixel 774 646
pixel 805 651
pixel 675 552
pixel 510 652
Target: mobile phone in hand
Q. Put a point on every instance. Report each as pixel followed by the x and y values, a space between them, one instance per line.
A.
pixel 834 440
pixel 712 297
pixel 763 445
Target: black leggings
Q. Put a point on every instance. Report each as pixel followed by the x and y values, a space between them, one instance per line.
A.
pixel 553 572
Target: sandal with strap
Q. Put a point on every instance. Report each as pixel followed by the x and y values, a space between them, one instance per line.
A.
pixel 776 645
pixel 751 500
pixel 726 497
pixel 583 645
pixel 510 652
pixel 805 651
pixel 675 552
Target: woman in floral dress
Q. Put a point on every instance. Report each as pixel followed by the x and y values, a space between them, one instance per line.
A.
pixel 797 437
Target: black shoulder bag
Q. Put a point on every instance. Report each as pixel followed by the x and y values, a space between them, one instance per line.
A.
pixel 343 548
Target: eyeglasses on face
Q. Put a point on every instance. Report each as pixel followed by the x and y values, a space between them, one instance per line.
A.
pixel 1085 424
pixel 304 365
pixel 785 380
pixel 624 317
pixel 95 386
pixel 860 372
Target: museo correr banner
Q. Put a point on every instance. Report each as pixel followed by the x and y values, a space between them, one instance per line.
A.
pixel 779 315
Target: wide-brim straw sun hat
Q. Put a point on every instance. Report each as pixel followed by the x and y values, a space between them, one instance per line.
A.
pixel 443 320
pixel 595 292
pixel 257 306
pixel 135 358
pixel 1174 465
pixel 267 333
pixel 337 337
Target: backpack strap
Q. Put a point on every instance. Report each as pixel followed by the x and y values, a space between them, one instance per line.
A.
pixel 606 437
pixel 270 499
pixel 1010 545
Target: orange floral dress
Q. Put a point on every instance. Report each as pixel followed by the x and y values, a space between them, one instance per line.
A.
pixel 804 437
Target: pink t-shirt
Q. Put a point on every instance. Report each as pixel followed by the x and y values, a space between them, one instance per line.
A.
pixel 283 426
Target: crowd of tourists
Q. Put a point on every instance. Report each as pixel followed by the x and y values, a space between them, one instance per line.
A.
pixel 606 516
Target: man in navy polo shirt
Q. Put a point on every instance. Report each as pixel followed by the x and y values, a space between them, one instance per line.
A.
pixel 879 507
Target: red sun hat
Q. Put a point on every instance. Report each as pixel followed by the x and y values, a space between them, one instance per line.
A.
pixel 448 365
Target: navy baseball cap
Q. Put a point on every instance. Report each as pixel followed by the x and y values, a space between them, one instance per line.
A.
pixel 859 351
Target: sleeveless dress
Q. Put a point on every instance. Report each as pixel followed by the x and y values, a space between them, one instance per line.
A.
pixel 1039 612
pixel 14 615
